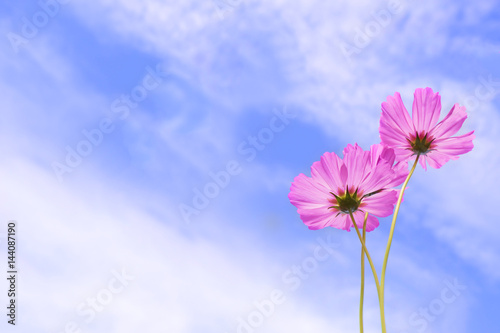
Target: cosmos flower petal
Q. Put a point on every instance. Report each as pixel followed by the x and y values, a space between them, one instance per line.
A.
pixel 456 145
pixel 423 161
pixel 357 162
pixel 344 222
pixel 400 173
pixel 386 154
pixel 311 200
pixel 403 155
pixel 381 152
pixel 426 109
pixel 371 222
pixel 392 138
pixel 343 174
pixel 451 123
pixel 375 152
pixel 316 218
pixel 381 204
pixel 305 192
pixel 436 160
pixel 327 171
pixel 395 122
pixel 449 149
pixel 349 148
pixel 397 114
pixel 379 178
pixel 380 175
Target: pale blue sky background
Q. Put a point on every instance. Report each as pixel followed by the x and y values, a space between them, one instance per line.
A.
pixel 224 68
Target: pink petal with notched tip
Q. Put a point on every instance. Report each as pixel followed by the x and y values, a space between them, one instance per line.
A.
pixel 311 201
pixel 451 123
pixel 327 171
pixel 357 162
pixel 307 193
pixel 435 160
pixel 426 109
pixel 395 122
pixel 449 149
pixel 456 145
pixel 316 219
pixel 397 113
pixel 383 153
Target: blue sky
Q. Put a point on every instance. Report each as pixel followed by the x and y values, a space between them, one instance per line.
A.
pixel 159 97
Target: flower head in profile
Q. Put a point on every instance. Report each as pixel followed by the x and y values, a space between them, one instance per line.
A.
pixel 360 182
pixel 421 134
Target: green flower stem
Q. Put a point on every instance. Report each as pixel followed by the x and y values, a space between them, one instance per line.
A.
pixel 381 304
pixel 362 292
pixel 391 233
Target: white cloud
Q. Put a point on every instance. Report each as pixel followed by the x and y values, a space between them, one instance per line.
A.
pixel 302 46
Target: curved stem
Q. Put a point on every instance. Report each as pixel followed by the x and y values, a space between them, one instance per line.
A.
pixel 375 277
pixel 393 225
pixel 362 292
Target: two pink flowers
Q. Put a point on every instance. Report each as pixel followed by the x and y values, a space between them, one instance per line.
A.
pixel 363 181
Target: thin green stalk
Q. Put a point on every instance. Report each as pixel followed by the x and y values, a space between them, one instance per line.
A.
pixel 393 225
pixel 362 292
pixel 382 315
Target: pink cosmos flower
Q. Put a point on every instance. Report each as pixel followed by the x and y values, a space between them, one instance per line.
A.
pixel 420 134
pixel 360 182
